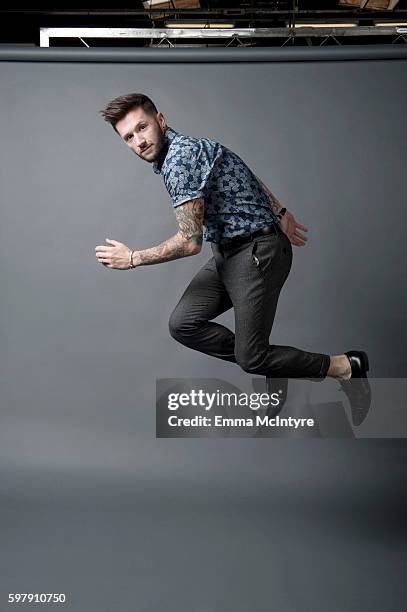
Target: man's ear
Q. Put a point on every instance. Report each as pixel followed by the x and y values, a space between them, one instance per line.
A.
pixel 162 122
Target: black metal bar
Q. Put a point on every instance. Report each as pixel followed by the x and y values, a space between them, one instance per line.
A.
pixel 209 55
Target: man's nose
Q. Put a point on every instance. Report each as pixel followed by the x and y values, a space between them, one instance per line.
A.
pixel 137 142
pixel 141 142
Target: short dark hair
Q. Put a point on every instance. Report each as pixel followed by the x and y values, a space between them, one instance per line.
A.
pixel 119 107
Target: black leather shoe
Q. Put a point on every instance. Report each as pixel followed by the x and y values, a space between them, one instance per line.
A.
pixel 357 388
pixel 359 363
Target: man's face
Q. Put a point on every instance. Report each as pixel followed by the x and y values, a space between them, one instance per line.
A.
pixel 143 133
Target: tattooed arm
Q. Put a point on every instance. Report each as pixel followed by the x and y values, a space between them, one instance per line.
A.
pixel 290 226
pixel 187 241
pixel 274 203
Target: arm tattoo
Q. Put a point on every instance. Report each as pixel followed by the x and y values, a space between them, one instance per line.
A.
pixel 275 204
pixel 187 241
pixel 173 248
pixel 190 220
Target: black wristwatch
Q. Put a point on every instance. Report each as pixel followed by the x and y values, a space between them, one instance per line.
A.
pixel 281 214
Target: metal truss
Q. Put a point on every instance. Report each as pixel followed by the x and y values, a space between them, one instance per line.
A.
pixel 227 37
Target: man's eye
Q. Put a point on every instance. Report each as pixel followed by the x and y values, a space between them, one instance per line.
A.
pixel 129 138
pixel 142 127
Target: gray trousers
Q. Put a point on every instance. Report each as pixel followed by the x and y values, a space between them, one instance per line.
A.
pixel 247 278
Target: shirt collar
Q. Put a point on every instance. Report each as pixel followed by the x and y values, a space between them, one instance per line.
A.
pixel 169 137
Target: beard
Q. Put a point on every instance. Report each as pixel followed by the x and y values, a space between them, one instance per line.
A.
pixel 159 145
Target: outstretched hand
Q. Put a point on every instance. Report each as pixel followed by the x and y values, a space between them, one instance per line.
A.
pixel 116 256
pixel 293 230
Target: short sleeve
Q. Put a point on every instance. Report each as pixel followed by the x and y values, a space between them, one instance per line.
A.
pixel 189 170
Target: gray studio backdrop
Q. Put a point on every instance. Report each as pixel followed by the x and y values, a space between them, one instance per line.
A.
pixel 82 345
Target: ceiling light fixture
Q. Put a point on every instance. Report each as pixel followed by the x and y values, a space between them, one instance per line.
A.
pixel 390 24
pixel 325 25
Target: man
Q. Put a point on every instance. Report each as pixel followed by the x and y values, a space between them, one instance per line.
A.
pixel 216 197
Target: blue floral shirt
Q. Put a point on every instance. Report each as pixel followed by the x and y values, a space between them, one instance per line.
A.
pixel 235 204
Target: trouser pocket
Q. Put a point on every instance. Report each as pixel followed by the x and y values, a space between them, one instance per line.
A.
pixel 266 253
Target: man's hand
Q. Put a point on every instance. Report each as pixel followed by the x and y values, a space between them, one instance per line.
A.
pixel 292 229
pixel 116 256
